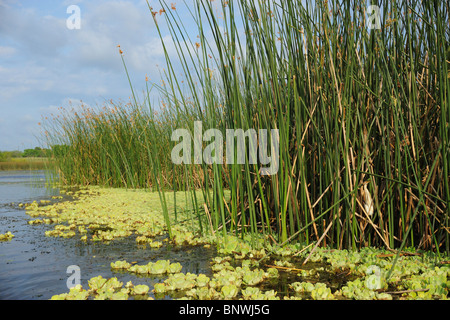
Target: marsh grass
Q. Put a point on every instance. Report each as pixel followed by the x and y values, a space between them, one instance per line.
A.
pixel 357 111
pixel 26 164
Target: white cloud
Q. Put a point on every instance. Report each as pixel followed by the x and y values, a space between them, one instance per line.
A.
pixel 32 33
pixel 42 62
pixel 7 51
pixel 16 81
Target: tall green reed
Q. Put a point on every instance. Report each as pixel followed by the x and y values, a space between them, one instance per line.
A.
pixel 358 111
pixel 353 105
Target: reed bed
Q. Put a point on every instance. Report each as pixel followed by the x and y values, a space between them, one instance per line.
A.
pixel 362 115
pixel 110 145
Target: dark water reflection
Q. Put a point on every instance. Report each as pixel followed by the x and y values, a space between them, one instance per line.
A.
pixel 33 266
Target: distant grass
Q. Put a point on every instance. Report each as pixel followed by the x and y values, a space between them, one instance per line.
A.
pixel 26 164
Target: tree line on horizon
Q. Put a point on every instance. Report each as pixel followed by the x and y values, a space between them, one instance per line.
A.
pixel 37 152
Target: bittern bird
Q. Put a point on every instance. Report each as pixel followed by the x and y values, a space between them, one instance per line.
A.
pixel 368 201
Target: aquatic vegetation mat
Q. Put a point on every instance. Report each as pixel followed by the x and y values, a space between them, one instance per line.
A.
pixel 105 214
pixel 106 289
pixel 244 268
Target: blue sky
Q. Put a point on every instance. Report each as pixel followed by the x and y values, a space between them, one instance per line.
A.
pixel 45 65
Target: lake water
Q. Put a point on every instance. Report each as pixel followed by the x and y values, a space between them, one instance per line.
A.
pixel 34 267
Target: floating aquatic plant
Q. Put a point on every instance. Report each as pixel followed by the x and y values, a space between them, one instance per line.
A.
pixel 155 268
pixel 121 295
pixel 229 291
pixel 228 277
pixel 202 280
pixel 37 221
pixel 253 277
pixel 159 267
pixel 160 288
pixel 180 281
pixel 150 242
pixel 321 292
pixel 76 293
pixel 96 283
pixel 104 213
pixel 140 269
pixel 357 290
pixel 7 236
pixel 100 289
pixel 92 218
pixel 123 265
pixel 272 273
pixel 431 284
pixel 174 267
pixel 251 293
pixel 141 289
pixel 203 293
pixel 233 245
pixel 216 267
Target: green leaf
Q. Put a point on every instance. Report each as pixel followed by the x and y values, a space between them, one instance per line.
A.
pixel 229 291
pixel 141 289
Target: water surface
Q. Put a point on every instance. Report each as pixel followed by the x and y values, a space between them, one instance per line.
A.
pixel 33 266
